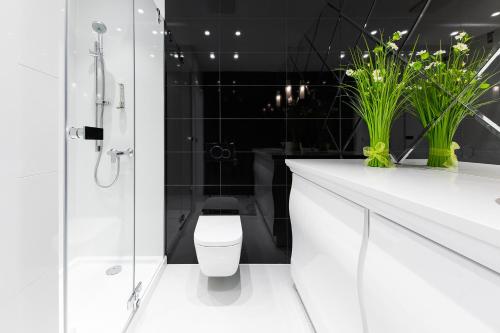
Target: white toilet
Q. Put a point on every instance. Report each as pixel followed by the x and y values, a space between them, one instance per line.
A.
pixel 218 238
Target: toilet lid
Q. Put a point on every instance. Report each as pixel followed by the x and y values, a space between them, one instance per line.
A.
pixel 218 230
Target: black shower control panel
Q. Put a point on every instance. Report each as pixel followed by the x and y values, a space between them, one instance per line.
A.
pixel 93 133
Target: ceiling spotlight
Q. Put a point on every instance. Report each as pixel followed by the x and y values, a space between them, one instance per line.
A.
pixel 176 55
pixel 237 33
pixel 495 14
pixel 154 32
pixel 365 55
pixel 404 32
pixel 119 29
pixel 140 11
pixel 207 32
pixel 236 55
pixel 342 55
pixel 454 33
pixel 151 55
pixel 212 55
pixel 373 32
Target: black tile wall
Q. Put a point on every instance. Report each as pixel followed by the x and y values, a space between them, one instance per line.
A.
pixel 230 124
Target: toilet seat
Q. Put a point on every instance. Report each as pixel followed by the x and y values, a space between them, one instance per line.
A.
pixel 218 231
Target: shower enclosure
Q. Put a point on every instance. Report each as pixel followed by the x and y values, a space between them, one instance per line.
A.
pixel 114 160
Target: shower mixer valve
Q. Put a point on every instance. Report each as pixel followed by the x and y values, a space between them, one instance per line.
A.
pixel 116 154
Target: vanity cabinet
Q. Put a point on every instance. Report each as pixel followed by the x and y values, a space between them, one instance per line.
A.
pixel 381 251
pixel 327 235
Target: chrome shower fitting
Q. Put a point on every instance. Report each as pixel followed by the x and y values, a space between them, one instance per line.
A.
pixel 116 154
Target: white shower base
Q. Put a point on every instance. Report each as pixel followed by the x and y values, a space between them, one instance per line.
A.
pixel 97 302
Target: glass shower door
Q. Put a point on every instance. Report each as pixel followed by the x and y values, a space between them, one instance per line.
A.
pixel 99 165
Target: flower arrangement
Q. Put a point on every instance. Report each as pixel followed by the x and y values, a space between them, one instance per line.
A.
pixel 379 93
pixel 447 76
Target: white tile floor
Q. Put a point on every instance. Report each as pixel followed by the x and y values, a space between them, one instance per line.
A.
pixel 259 298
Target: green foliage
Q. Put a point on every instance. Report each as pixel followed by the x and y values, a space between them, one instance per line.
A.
pixel 380 91
pixel 434 92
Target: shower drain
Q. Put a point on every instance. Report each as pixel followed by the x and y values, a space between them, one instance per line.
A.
pixel 113 270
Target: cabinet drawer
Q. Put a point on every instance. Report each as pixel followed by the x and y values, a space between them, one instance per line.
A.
pixel 412 284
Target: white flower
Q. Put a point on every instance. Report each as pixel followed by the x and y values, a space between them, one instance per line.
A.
pixel 462 47
pixel 419 53
pixel 393 46
pixel 349 72
pixel 439 52
pixel 376 76
pixel 461 35
pixel 432 64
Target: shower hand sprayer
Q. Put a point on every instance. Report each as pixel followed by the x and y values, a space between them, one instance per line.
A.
pixel 100 103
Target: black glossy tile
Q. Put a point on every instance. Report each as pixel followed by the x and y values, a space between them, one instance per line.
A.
pixel 184 134
pixel 275 77
pixel 192 102
pixel 192 9
pixel 187 35
pixel 253 68
pixel 192 168
pixel 256 35
pixel 252 102
pixel 249 134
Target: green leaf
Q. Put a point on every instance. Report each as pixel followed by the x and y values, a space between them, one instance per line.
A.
pixel 378 49
pixel 484 85
pixel 396 36
pixel 424 55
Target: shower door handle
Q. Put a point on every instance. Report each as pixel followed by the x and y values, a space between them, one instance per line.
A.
pixel 86 133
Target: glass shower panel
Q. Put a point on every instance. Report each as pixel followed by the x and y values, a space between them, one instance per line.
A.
pixel 100 165
pixel 149 124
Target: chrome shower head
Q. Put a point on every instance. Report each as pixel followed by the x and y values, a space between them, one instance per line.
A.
pixel 99 27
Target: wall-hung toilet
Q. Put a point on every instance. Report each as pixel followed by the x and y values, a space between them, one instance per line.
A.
pixel 218 238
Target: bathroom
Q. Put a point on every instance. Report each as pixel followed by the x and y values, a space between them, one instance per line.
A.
pixel 206 165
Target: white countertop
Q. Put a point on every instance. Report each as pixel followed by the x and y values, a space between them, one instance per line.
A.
pixel 463 199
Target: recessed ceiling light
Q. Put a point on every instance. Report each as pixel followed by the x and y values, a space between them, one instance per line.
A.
pixel 151 55
pixel 365 55
pixel 140 11
pixel 373 32
pixel 154 32
pixel 495 14
pixel 236 55
pixel 404 32
pixel 207 32
pixel 237 33
pixel 453 33
pixel 212 55
pixel 119 29
pixel 342 55
pixel 176 55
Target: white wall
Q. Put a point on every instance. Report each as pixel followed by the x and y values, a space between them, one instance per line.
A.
pixel 31 81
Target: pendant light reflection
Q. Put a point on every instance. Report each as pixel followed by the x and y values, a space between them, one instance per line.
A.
pixel 278 99
pixel 302 91
pixel 288 92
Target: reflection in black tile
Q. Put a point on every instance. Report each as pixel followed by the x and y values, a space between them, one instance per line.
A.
pixel 256 35
pixel 192 168
pixel 248 134
pixel 185 134
pixel 252 102
pixel 253 68
pixel 192 102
